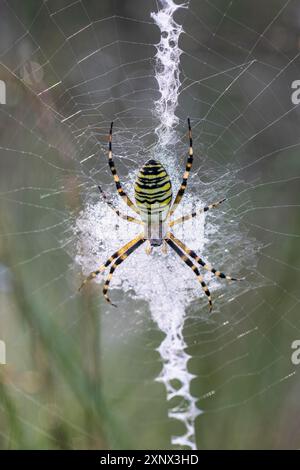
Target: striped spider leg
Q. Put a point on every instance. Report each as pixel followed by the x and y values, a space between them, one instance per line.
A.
pixel 135 243
pixel 183 188
pixel 186 174
pixel 200 261
pixel 184 218
pixel 186 253
pixel 191 265
pixel 120 214
pixel 112 167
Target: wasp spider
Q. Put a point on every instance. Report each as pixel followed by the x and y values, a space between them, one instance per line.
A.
pixel 153 197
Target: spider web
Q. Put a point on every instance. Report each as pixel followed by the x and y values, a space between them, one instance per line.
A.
pixel 70 68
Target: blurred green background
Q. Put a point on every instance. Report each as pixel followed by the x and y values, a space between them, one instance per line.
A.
pixel 79 375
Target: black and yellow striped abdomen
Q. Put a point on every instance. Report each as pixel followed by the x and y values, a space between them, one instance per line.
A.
pixel 153 188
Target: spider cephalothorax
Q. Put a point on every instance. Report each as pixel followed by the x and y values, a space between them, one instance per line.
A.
pixel 153 197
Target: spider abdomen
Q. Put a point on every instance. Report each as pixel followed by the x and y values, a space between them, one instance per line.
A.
pixel 153 191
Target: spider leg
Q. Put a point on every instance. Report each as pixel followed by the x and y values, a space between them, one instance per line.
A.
pixel 120 214
pixel 200 261
pixel 122 193
pixel 184 218
pixel 117 263
pixel 191 265
pixel 118 253
pixel 188 167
